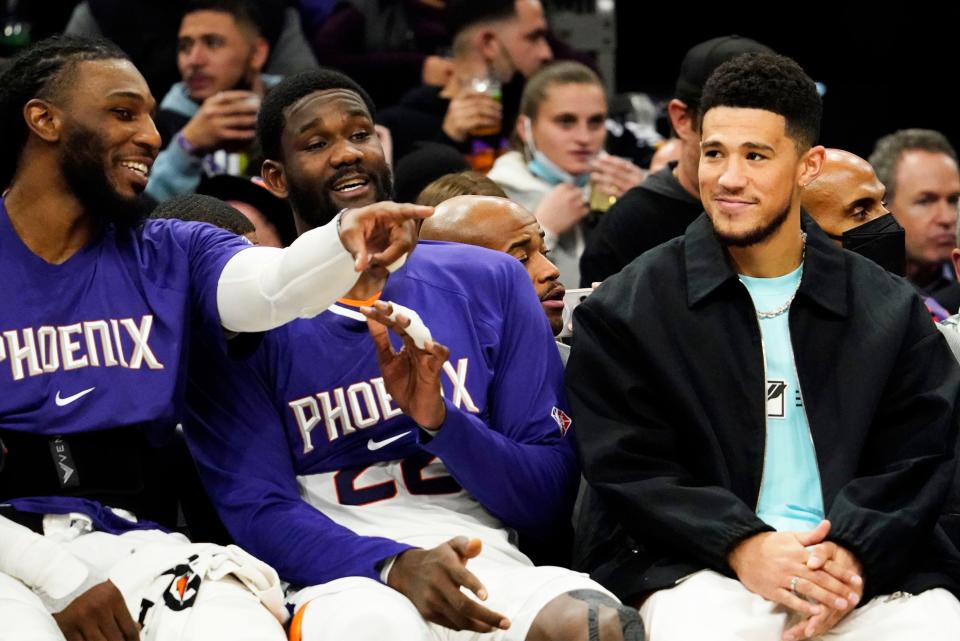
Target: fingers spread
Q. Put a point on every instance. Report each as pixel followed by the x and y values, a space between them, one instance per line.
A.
pixel 466 578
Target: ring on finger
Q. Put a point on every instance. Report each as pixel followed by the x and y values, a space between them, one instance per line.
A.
pixel 794 580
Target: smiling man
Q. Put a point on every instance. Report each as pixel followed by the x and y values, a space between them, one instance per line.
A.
pixel 101 307
pixel 744 455
pixel 399 478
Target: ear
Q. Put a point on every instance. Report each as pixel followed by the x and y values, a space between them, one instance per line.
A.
pixel 524 129
pixel 261 51
pixel 681 118
pixel 43 119
pixel 811 164
pixel 487 43
pixel 274 178
pixel 955 257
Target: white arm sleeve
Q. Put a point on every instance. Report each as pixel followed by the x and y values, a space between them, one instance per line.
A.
pixel 264 287
pixel 40 563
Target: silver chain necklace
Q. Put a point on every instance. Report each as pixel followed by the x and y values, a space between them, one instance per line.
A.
pixel 783 308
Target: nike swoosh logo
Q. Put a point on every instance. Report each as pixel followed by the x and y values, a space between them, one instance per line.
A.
pixel 373 445
pixel 63 402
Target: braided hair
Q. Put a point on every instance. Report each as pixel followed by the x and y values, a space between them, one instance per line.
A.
pixel 40 71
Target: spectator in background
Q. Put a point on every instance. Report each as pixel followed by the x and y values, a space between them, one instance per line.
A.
pixel 465 183
pixel 919 169
pixel 387 46
pixel 206 209
pixel 501 225
pixel 147 31
pixel 427 162
pixel 492 41
pixel 669 151
pixel 270 216
pixel 208 120
pixel 848 202
pixel 560 133
pixel 669 200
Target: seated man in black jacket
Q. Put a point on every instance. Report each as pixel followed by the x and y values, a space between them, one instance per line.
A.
pixel 767 421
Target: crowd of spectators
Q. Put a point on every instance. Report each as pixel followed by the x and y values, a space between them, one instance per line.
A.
pixel 312 259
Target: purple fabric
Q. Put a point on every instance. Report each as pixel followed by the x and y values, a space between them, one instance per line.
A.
pixel 104 520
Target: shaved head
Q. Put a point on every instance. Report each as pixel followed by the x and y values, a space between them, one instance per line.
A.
pixel 501 225
pixel 476 220
pixel 845 195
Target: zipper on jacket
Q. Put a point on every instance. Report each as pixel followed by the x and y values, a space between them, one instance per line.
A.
pixel 803 399
pixel 763 396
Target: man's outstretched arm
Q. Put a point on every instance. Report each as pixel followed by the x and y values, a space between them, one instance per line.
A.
pixel 261 287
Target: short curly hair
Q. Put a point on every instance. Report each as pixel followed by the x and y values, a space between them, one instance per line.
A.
pixel 271 120
pixel 770 82
pixel 42 70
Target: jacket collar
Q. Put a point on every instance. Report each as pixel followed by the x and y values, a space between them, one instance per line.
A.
pixel 824 279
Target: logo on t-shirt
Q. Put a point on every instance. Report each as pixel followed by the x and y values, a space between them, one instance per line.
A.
pixel 776 394
pixel 563 421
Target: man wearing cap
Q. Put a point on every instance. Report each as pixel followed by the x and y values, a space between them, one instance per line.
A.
pixel 663 205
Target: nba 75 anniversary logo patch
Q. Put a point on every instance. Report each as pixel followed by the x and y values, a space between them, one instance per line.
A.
pixel 563 421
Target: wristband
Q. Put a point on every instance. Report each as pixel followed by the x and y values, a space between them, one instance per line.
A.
pixel 188 147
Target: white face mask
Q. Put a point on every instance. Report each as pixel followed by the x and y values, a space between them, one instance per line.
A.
pixel 541 166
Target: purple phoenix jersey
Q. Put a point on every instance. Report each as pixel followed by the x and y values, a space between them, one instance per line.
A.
pixel 305 424
pixel 100 341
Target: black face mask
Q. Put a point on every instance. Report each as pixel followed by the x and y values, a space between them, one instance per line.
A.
pixel 882 240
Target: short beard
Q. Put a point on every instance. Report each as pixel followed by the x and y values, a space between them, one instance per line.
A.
pixel 82 165
pixel 757 235
pixel 314 205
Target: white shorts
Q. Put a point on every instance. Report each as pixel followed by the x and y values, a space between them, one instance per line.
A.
pixel 222 603
pixel 362 609
pixel 708 605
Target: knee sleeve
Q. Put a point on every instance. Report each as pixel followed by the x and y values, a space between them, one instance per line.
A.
pixel 608 619
pixel 362 610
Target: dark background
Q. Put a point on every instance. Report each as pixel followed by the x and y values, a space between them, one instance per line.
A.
pixel 884 70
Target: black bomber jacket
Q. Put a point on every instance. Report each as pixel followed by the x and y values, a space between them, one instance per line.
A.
pixel 666 382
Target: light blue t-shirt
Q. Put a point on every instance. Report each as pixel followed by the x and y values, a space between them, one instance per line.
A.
pixel 790 493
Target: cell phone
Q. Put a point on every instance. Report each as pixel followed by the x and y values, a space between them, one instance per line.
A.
pixel 571 299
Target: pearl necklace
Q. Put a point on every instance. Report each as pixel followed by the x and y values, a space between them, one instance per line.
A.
pixel 783 308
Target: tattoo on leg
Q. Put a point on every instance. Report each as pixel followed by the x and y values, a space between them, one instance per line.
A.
pixel 631 625
pixel 593 622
